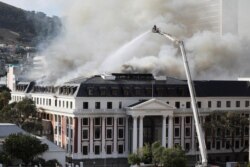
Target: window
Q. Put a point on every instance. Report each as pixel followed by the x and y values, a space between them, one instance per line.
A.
pixel 67 104
pixel 218 132
pixel 176 132
pixel 177 104
pixel 246 103
pixel 120 121
pixel 85 121
pixel 199 104
pixel 237 103
pixel 120 105
pixel 120 133
pixel 97 121
pixel 49 102
pixel 85 105
pixel 55 118
pixel 85 150
pixel 109 121
pixel 246 131
pixel 176 120
pixel 188 104
pixel 217 145
pixel 209 104
pixel 109 133
pixel 97 132
pixel 97 149
pixel 218 104
pixel 187 132
pixel 227 144
pixel 90 91
pixel 109 149
pixel 237 144
pixel 187 146
pixel 60 129
pixel 237 131
pixel 85 134
pixel 228 104
pixel 208 144
pixel 109 105
pixel 246 143
pixel 120 148
pixel 55 130
pixel 59 103
pixel 71 104
pixel 188 120
pixel 97 105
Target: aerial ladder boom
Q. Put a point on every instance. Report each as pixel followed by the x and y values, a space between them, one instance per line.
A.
pixel 200 135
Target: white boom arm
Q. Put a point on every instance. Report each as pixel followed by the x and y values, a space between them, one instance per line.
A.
pixel 200 135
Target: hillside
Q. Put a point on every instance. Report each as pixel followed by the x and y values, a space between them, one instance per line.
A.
pixel 18 26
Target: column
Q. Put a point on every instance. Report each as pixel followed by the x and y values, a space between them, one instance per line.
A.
pixel 91 151
pixel 183 133
pixel 115 135
pixel 103 137
pixel 126 136
pixel 141 132
pixel 134 134
pixel 57 124
pixel 170 131
pixel 164 130
pixel 79 137
pixel 193 135
pixel 249 140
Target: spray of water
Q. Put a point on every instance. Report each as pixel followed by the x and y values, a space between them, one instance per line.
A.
pixel 98 39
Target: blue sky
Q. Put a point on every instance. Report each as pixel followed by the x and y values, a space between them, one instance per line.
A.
pixel 50 7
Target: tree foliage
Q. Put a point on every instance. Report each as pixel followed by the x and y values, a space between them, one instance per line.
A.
pixel 24 147
pixel 4 97
pixel 159 156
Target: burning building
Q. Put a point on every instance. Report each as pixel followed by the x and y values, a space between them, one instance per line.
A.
pixel 103 118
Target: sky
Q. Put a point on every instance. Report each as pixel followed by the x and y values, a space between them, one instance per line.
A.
pixel 50 7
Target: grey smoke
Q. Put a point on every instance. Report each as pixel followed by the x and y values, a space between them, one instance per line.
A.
pixel 95 30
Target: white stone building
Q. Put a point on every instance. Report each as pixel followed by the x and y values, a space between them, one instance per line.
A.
pixel 103 118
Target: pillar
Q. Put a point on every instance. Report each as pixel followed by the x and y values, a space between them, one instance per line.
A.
pixel 91 137
pixel 141 132
pixel 170 131
pixel 164 130
pixel 193 135
pixel 103 137
pixel 79 136
pixel 126 136
pixel 183 132
pixel 134 134
pixel 115 135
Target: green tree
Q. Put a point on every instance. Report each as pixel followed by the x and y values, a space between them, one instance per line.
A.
pixel 24 147
pixel 134 159
pixel 174 157
pixel 157 152
pixel 227 126
pixel 5 97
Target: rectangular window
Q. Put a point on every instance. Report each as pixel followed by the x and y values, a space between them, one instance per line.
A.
pixel 97 121
pixel 97 105
pixel 60 129
pixel 71 105
pixel 109 105
pixel 97 149
pixel 237 103
pixel 59 103
pixel 176 132
pixel 237 131
pixel 120 121
pixel 109 133
pixel 209 104
pixel 246 131
pixel 120 105
pixel 67 104
pixel 187 146
pixel 49 102
pixel 228 104
pixel 218 145
pixel 85 134
pixel 188 120
pixel 219 104
pixel 187 132
pixel 176 120
pixel 188 104
pixel 85 105
pixel 85 150
pixel 109 149
pixel 109 121
pixel 97 133
pixel 120 133
pixel 85 121
pixel 55 130
pixel 227 144
pixel 246 103
pixel 177 104
pixel 120 148
pixel 208 144
pixel 199 104
pixel 237 144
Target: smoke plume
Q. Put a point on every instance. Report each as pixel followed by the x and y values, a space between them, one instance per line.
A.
pixel 112 36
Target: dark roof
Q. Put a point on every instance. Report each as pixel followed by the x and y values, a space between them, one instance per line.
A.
pixel 137 103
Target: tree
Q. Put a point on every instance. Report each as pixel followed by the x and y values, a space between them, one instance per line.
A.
pixel 226 126
pixel 174 157
pixel 157 151
pixel 5 97
pixel 24 147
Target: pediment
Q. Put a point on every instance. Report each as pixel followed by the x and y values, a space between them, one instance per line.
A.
pixel 152 104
